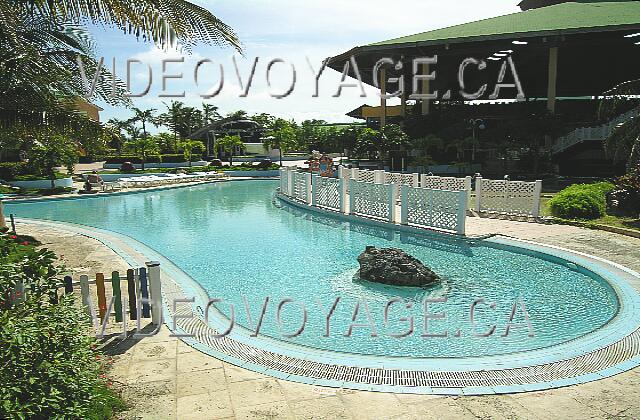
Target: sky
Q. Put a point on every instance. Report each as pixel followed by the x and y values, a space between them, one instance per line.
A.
pixel 291 30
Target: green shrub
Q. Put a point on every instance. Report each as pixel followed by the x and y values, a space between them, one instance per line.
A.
pixel 581 201
pixel 50 367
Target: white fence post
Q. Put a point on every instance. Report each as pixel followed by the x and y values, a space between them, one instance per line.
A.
pixel 314 189
pixel 416 180
pixel 378 177
pixel 463 202
pixel 404 205
pixel 352 196
pixel 467 187
pixel 153 273
pixel 537 191
pixel 307 179
pixel 478 193
pixel 355 174
pixel 393 192
pixel 342 188
pixel 289 193
pixel 84 292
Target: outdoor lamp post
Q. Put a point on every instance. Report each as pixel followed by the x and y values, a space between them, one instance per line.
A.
pixel 477 124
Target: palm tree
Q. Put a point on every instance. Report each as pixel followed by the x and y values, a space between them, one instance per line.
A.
pixel 165 23
pixel 623 145
pixel 144 117
pixel 171 119
pixel 209 113
pixel 228 144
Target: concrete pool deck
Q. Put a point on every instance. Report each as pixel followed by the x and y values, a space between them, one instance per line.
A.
pixel 163 378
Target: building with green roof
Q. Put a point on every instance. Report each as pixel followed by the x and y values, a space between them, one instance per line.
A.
pixel 565 54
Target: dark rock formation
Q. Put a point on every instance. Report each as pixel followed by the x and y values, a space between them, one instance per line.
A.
pixel 394 267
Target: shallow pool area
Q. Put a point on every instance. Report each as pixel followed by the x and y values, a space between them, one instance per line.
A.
pixel 242 247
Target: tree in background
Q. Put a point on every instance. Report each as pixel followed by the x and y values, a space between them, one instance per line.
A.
pixel 393 138
pixel 143 147
pixel 229 144
pixel 367 142
pixel 189 147
pixel 209 114
pixel 53 149
pixel 144 117
pixel 281 136
pixel 623 145
pixel 171 119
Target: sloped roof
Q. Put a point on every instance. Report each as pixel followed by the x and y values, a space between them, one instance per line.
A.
pixel 574 17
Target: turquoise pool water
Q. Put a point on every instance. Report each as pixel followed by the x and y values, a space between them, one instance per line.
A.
pixel 239 246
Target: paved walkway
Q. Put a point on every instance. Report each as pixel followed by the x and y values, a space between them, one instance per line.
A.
pixel 162 378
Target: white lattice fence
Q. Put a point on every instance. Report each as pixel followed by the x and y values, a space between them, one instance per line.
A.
pixel 439 209
pixel 508 197
pixel 398 179
pixel 327 193
pixel 371 200
pixel 448 183
pixel 301 188
pixel 365 176
pixel 284 181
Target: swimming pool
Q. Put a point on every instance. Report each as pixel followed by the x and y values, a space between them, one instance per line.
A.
pixel 242 248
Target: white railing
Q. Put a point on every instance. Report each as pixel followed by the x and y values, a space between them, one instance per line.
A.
pixel 327 193
pixel 419 207
pixel 448 183
pixel 440 209
pixel 372 200
pixel 596 133
pixel 508 197
pixel 301 186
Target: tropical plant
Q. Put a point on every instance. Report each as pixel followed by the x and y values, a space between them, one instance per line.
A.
pixel 53 149
pixel 144 117
pixel 50 368
pixel 164 23
pixel 229 144
pixel 143 147
pixel 209 113
pixel 367 143
pixel 623 145
pixel 581 201
pixel 189 147
pixel 281 136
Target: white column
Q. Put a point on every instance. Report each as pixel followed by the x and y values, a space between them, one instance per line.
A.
pixel 290 183
pixel 404 205
pixel 537 191
pixel 352 196
pixel 314 189
pixel 467 187
pixel 462 212
pixel 478 193
pixel 378 177
pixel 416 180
pixel 155 288
pixel 307 179
pixel 393 193
pixel 343 183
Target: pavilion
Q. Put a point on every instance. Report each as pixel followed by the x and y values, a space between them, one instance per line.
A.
pixel 566 53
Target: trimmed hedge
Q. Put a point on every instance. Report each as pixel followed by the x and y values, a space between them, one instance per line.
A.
pixel 581 201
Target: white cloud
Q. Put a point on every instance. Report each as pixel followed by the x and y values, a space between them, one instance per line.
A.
pixel 292 30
